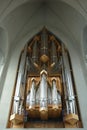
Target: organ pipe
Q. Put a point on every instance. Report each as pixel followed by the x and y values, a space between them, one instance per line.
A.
pixel 53 53
pixel 20 84
pixel 35 53
pixel 28 99
pixel 38 96
pixel 59 98
pixel 54 93
pixel 43 93
pixel 56 97
pixel 32 95
pixel 69 91
pixel 44 47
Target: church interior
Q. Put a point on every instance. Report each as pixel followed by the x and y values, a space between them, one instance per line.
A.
pixel 43 64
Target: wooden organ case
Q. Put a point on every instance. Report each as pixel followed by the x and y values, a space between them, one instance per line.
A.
pixel 44 95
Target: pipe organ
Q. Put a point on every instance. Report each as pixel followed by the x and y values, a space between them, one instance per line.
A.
pixel 44 89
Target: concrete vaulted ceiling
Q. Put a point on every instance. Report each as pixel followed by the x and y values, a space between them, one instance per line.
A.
pixel 20 17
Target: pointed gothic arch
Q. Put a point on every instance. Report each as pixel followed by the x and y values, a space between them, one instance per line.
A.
pixel 44 88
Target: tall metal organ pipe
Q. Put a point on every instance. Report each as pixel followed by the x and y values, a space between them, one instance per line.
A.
pixel 53 53
pixel 44 47
pixel 35 53
pixel 54 93
pixel 20 84
pixel 68 88
pixel 32 95
pixel 56 97
pixel 43 91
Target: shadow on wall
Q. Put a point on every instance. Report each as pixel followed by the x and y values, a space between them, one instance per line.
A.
pixel 3 54
pixel 85 44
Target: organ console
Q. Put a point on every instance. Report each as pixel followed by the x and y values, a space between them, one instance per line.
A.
pixel 44 90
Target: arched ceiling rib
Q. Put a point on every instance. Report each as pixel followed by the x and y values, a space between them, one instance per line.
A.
pixel 19 18
pixel 7 6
